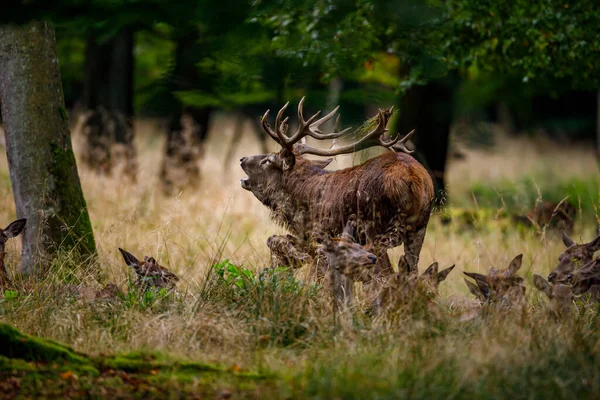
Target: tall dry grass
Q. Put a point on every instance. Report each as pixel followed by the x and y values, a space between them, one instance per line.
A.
pixel 286 325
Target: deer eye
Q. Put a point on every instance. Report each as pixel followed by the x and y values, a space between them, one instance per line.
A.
pixel 266 161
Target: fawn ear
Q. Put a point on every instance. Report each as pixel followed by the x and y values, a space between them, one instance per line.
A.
pixel 432 270
pixel 515 264
pixel 594 245
pixel 129 258
pixel 15 228
pixel 566 239
pixel 474 289
pixel 289 160
pixel 350 230
pixel 443 274
pixel 542 285
pixel 482 283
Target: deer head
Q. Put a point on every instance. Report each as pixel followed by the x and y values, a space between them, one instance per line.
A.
pixel 12 230
pixel 573 258
pixel 430 279
pixel 499 286
pixel 348 257
pixel 266 172
pixel 149 272
pixel 585 277
pixel 560 295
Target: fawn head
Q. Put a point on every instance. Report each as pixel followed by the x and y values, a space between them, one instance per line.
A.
pixel 573 258
pixel 12 230
pixel 560 295
pixel 499 286
pixel 149 272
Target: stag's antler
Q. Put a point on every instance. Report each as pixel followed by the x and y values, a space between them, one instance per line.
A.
pixel 312 128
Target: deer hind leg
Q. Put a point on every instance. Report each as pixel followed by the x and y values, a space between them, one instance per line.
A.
pixel 413 243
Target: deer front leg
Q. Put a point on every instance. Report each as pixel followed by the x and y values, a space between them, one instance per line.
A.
pixel 285 252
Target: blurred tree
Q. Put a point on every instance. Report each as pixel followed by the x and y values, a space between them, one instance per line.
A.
pixel 42 166
pixel 108 103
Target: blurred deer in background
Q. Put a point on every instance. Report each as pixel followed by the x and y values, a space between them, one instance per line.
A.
pixel 13 229
pixel 391 194
pixel 150 273
pixel 556 216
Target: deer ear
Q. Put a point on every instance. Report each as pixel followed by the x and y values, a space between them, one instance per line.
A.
pixel 443 274
pixel 350 230
pixel 474 289
pixel 594 245
pixel 482 283
pixel 15 228
pixel 129 258
pixel 542 285
pixel 515 264
pixel 566 239
pixel 289 160
pixel 321 163
pixel 432 270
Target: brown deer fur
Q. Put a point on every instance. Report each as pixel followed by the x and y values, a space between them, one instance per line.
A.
pixel 573 258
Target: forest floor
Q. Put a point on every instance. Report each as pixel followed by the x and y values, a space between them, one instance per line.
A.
pixel 231 332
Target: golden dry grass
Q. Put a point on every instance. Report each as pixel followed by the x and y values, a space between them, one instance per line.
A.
pixel 200 227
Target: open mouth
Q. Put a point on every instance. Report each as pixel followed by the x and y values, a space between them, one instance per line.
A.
pixel 245 183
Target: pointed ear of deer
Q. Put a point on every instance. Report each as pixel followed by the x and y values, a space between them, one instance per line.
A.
pixel 594 245
pixel 515 264
pixel 566 239
pixel 289 160
pixel 321 163
pixel 482 283
pixel 129 258
pixel 349 230
pixel 542 285
pixel 473 288
pixel 432 270
pixel 443 274
pixel 15 228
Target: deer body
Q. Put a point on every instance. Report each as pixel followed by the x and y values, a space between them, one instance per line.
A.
pixel 390 195
pixel 12 230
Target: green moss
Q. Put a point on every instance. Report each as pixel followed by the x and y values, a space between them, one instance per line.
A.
pixel 15 364
pixel 72 209
pixel 21 346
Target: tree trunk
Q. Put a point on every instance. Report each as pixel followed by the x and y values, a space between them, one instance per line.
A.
pixel 42 165
pixel 108 99
pixel 189 126
pixel 428 109
pixel 598 128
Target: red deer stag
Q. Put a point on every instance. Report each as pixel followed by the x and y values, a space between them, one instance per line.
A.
pixel 11 231
pixel 391 194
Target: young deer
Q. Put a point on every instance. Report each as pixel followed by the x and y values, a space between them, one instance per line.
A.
pixel 560 295
pixel 149 272
pixel 573 258
pixel 407 289
pixel 501 287
pixel 11 231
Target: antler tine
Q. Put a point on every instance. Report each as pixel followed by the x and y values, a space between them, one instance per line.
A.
pixel 267 128
pixel 373 138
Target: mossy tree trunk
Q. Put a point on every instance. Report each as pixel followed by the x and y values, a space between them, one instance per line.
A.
pixel 108 100
pixel 43 172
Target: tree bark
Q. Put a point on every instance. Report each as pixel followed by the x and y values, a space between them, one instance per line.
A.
pixel 428 109
pixel 41 162
pixel 598 128
pixel 108 99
